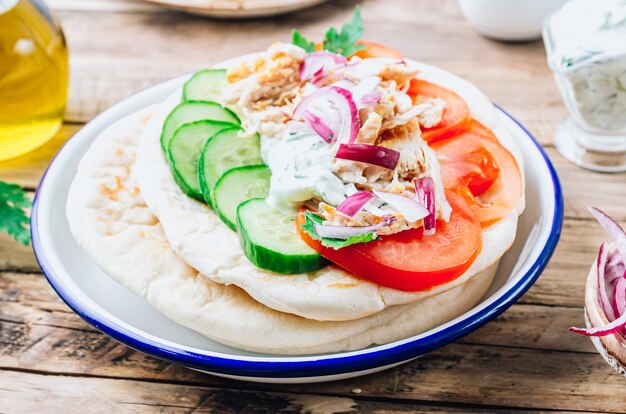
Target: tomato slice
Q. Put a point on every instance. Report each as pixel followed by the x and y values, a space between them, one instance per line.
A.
pixel 475 165
pixel 376 50
pixel 408 260
pixel 456 115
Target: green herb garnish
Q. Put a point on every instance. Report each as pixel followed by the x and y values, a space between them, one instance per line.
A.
pixel 14 205
pixel 299 40
pixel 343 43
pixel 311 219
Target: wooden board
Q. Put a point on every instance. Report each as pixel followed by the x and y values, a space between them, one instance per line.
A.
pixel 524 361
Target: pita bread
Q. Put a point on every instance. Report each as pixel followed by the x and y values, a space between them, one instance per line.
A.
pixel 109 219
pixel 199 237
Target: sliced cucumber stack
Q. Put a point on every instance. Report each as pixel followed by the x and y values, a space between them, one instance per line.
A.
pixel 194 111
pixel 224 151
pixel 205 85
pixel 239 185
pixel 269 240
pixel 184 152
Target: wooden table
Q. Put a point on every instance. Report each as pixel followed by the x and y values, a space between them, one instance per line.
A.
pixel 525 360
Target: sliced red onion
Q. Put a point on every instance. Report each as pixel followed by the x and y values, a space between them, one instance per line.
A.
pixel 353 204
pixel 319 126
pixel 365 93
pixel 370 154
pixel 409 208
pixel 619 297
pixel 615 267
pixel 370 99
pixel 353 123
pixel 604 298
pixel 613 327
pixel 346 84
pixel 316 64
pixel 611 269
pixel 425 195
pixel 343 120
pixel 298 127
pixel 615 230
pixel 344 232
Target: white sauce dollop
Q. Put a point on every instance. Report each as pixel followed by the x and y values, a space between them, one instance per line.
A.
pixel 301 170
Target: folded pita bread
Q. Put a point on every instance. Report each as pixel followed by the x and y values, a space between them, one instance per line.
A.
pixel 109 219
pixel 199 237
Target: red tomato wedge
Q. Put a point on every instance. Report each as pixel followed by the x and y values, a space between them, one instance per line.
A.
pixel 408 260
pixel 456 115
pixel 475 165
pixel 376 50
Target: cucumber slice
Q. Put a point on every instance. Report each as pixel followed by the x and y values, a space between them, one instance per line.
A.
pixel 194 111
pixel 269 240
pixel 226 150
pixel 184 152
pixel 205 85
pixel 238 185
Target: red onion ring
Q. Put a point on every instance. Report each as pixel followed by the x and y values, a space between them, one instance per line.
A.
pixel 425 195
pixel 346 127
pixel 316 64
pixel 353 204
pixel 369 154
pixel 615 230
pixel 410 209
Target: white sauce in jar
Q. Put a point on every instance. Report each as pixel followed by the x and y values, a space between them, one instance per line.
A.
pixel 588 46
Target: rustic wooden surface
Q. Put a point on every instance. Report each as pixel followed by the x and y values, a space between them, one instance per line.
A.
pixel 524 361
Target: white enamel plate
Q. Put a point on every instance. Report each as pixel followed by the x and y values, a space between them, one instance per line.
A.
pixel 129 319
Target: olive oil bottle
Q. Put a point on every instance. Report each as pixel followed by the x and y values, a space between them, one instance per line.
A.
pixel 33 76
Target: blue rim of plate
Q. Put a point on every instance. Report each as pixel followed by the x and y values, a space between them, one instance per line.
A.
pixel 307 366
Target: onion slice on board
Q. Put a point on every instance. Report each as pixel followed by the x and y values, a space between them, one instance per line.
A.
pixel 353 204
pixel 369 154
pixel 425 195
pixel 410 209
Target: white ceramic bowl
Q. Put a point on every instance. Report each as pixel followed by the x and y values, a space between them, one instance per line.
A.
pixel 509 20
pixel 118 313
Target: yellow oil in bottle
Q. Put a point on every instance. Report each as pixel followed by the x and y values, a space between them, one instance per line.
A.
pixel 33 76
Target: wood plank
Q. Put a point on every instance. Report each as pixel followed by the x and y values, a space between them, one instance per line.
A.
pixel 496 376
pixel 15 256
pixel 47 339
pixel 563 281
pixel 28 392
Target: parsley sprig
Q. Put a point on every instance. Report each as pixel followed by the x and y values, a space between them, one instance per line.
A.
pixel 343 43
pixel 311 219
pixel 14 206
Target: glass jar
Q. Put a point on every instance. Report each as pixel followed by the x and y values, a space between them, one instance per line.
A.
pixel 33 76
pixel 586 49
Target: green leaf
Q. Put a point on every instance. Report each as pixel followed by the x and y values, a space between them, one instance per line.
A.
pixel 14 205
pixel 299 40
pixel 344 43
pixel 311 219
